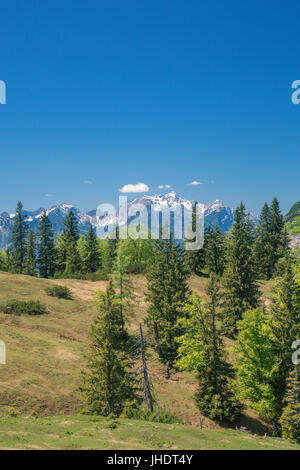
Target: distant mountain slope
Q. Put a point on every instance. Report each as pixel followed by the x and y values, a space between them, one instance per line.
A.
pixel 215 213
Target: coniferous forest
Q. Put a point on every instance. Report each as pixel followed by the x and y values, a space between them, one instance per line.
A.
pixel 187 332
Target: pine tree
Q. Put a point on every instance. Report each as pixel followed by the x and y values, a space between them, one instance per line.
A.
pixel 255 363
pixel 108 384
pixel 277 227
pixel 201 350
pixel 46 259
pixel 30 262
pixel 69 260
pixel 110 252
pixel 240 289
pixel 122 282
pixel 167 292
pixel 290 418
pixel 18 240
pixel 91 252
pixel 263 245
pixel 285 327
pixel 215 251
pixel 195 259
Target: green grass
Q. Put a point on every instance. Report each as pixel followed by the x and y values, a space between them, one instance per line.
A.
pixel 45 356
pixel 89 432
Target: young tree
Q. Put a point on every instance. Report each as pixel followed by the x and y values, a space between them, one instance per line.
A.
pixel 46 259
pixel 240 289
pixel 290 418
pixel 18 240
pixel 255 363
pixel 91 252
pixel 108 384
pixel 277 226
pixel 285 327
pixel 167 292
pixel 201 350
pixel 30 262
pixel 215 251
pixel 263 245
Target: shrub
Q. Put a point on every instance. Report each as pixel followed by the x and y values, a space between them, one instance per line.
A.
pixel 61 292
pixel 19 307
pixel 134 411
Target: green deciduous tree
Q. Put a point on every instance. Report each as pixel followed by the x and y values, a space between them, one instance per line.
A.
pixel 255 363
pixel 201 350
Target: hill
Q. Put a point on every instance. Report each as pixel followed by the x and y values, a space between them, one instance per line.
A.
pixel 45 354
pixel 91 432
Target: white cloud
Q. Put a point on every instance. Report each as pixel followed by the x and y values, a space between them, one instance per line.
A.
pixel 134 188
pixel 48 195
pixel 87 182
pixel 166 186
pixel 194 183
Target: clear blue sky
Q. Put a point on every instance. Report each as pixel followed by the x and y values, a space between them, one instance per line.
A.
pixel 159 92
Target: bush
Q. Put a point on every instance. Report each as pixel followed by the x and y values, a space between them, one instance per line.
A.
pixel 135 411
pixel 61 292
pixel 19 307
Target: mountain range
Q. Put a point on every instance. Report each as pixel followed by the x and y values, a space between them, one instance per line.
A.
pixel 215 213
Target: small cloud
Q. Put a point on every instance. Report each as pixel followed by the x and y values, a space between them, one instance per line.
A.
pixel 166 186
pixel 48 195
pixel 194 183
pixel 134 188
pixel 87 182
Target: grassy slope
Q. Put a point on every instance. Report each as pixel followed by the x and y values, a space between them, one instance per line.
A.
pixel 86 432
pixel 45 354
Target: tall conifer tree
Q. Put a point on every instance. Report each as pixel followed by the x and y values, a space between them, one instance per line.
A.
pixel 46 259
pixel 240 289
pixel 18 240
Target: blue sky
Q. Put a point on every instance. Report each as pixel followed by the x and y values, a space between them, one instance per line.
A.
pixel 158 92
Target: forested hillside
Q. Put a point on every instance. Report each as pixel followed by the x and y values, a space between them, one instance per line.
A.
pixel 147 329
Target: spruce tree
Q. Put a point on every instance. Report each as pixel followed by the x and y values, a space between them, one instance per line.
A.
pixel 91 253
pixel 195 259
pixel 255 363
pixel 108 385
pixel 69 260
pixel 30 262
pixel 277 227
pixel 290 418
pixel 18 240
pixel 167 292
pixel 240 289
pixel 46 259
pixel 263 246
pixel 201 349
pixel 215 251
pixel 285 327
